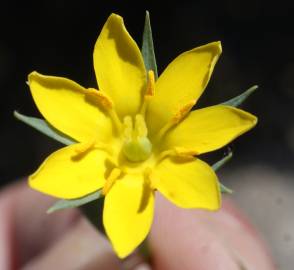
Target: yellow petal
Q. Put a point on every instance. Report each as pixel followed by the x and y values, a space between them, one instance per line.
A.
pixel 209 129
pixel 67 174
pixel 119 66
pixel 128 213
pixel 66 106
pixel 183 80
pixel 188 184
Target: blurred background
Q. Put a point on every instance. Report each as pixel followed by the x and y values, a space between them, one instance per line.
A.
pixel 57 37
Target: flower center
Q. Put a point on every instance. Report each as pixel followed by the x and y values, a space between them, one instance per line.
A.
pixel 136 147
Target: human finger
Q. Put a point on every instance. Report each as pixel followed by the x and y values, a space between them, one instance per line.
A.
pixel 195 239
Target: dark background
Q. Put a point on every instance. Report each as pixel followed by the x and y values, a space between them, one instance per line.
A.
pixel 57 38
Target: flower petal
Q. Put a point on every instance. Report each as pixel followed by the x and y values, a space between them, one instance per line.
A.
pixel 66 106
pixel 67 175
pixel 188 184
pixel 128 213
pixel 119 66
pixel 209 129
pixel 183 80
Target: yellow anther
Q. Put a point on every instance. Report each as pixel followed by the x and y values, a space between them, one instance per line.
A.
pixel 180 115
pixel 179 152
pixel 100 98
pixel 84 146
pixel 150 84
pixel 148 177
pixel 183 111
pixel 183 152
pixel 113 176
pixel 150 90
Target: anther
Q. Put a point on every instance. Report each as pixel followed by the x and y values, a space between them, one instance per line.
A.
pixel 184 152
pixel 106 103
pixel 183 112
pixel 179 152
pixel 150 83
pixel 150 91
pixel 148 177
pixel 100 97
pixel 84 147
pixel 178 117
pixel 113 176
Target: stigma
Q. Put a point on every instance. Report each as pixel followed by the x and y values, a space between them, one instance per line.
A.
pixel 136 146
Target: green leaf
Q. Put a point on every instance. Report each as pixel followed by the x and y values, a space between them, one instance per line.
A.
pixel 64 204
pixel 238 100
pixel 216 166
pixel 148 47
pixel 44 127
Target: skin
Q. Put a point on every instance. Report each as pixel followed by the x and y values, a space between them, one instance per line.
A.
pixel 179 239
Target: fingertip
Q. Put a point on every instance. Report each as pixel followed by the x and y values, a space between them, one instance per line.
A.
pixel 82 247
pixel 197 239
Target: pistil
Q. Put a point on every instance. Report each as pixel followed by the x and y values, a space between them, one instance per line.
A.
pixel 137 147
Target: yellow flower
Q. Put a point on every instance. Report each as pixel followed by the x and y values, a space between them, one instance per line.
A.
pixel 135 136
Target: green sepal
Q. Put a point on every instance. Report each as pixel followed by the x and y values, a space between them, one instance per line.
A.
pixel 64 204
pixel 234 102
pixel 225 189
pixel 148 47
pixel 44 127
pixel 216 166
pixel 238 100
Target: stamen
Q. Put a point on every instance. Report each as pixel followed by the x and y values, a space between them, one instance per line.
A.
pixel 147 190
pixel 165 154
pixel 178 117
pixel 184 152
pixel 183 112
pixel 84 146
pixel 116 121
pixel 150 84
pixel 107 104
pixel 113 176
pixel 179 152
pixel 148 177
pixel 101 98
pixel 150 91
